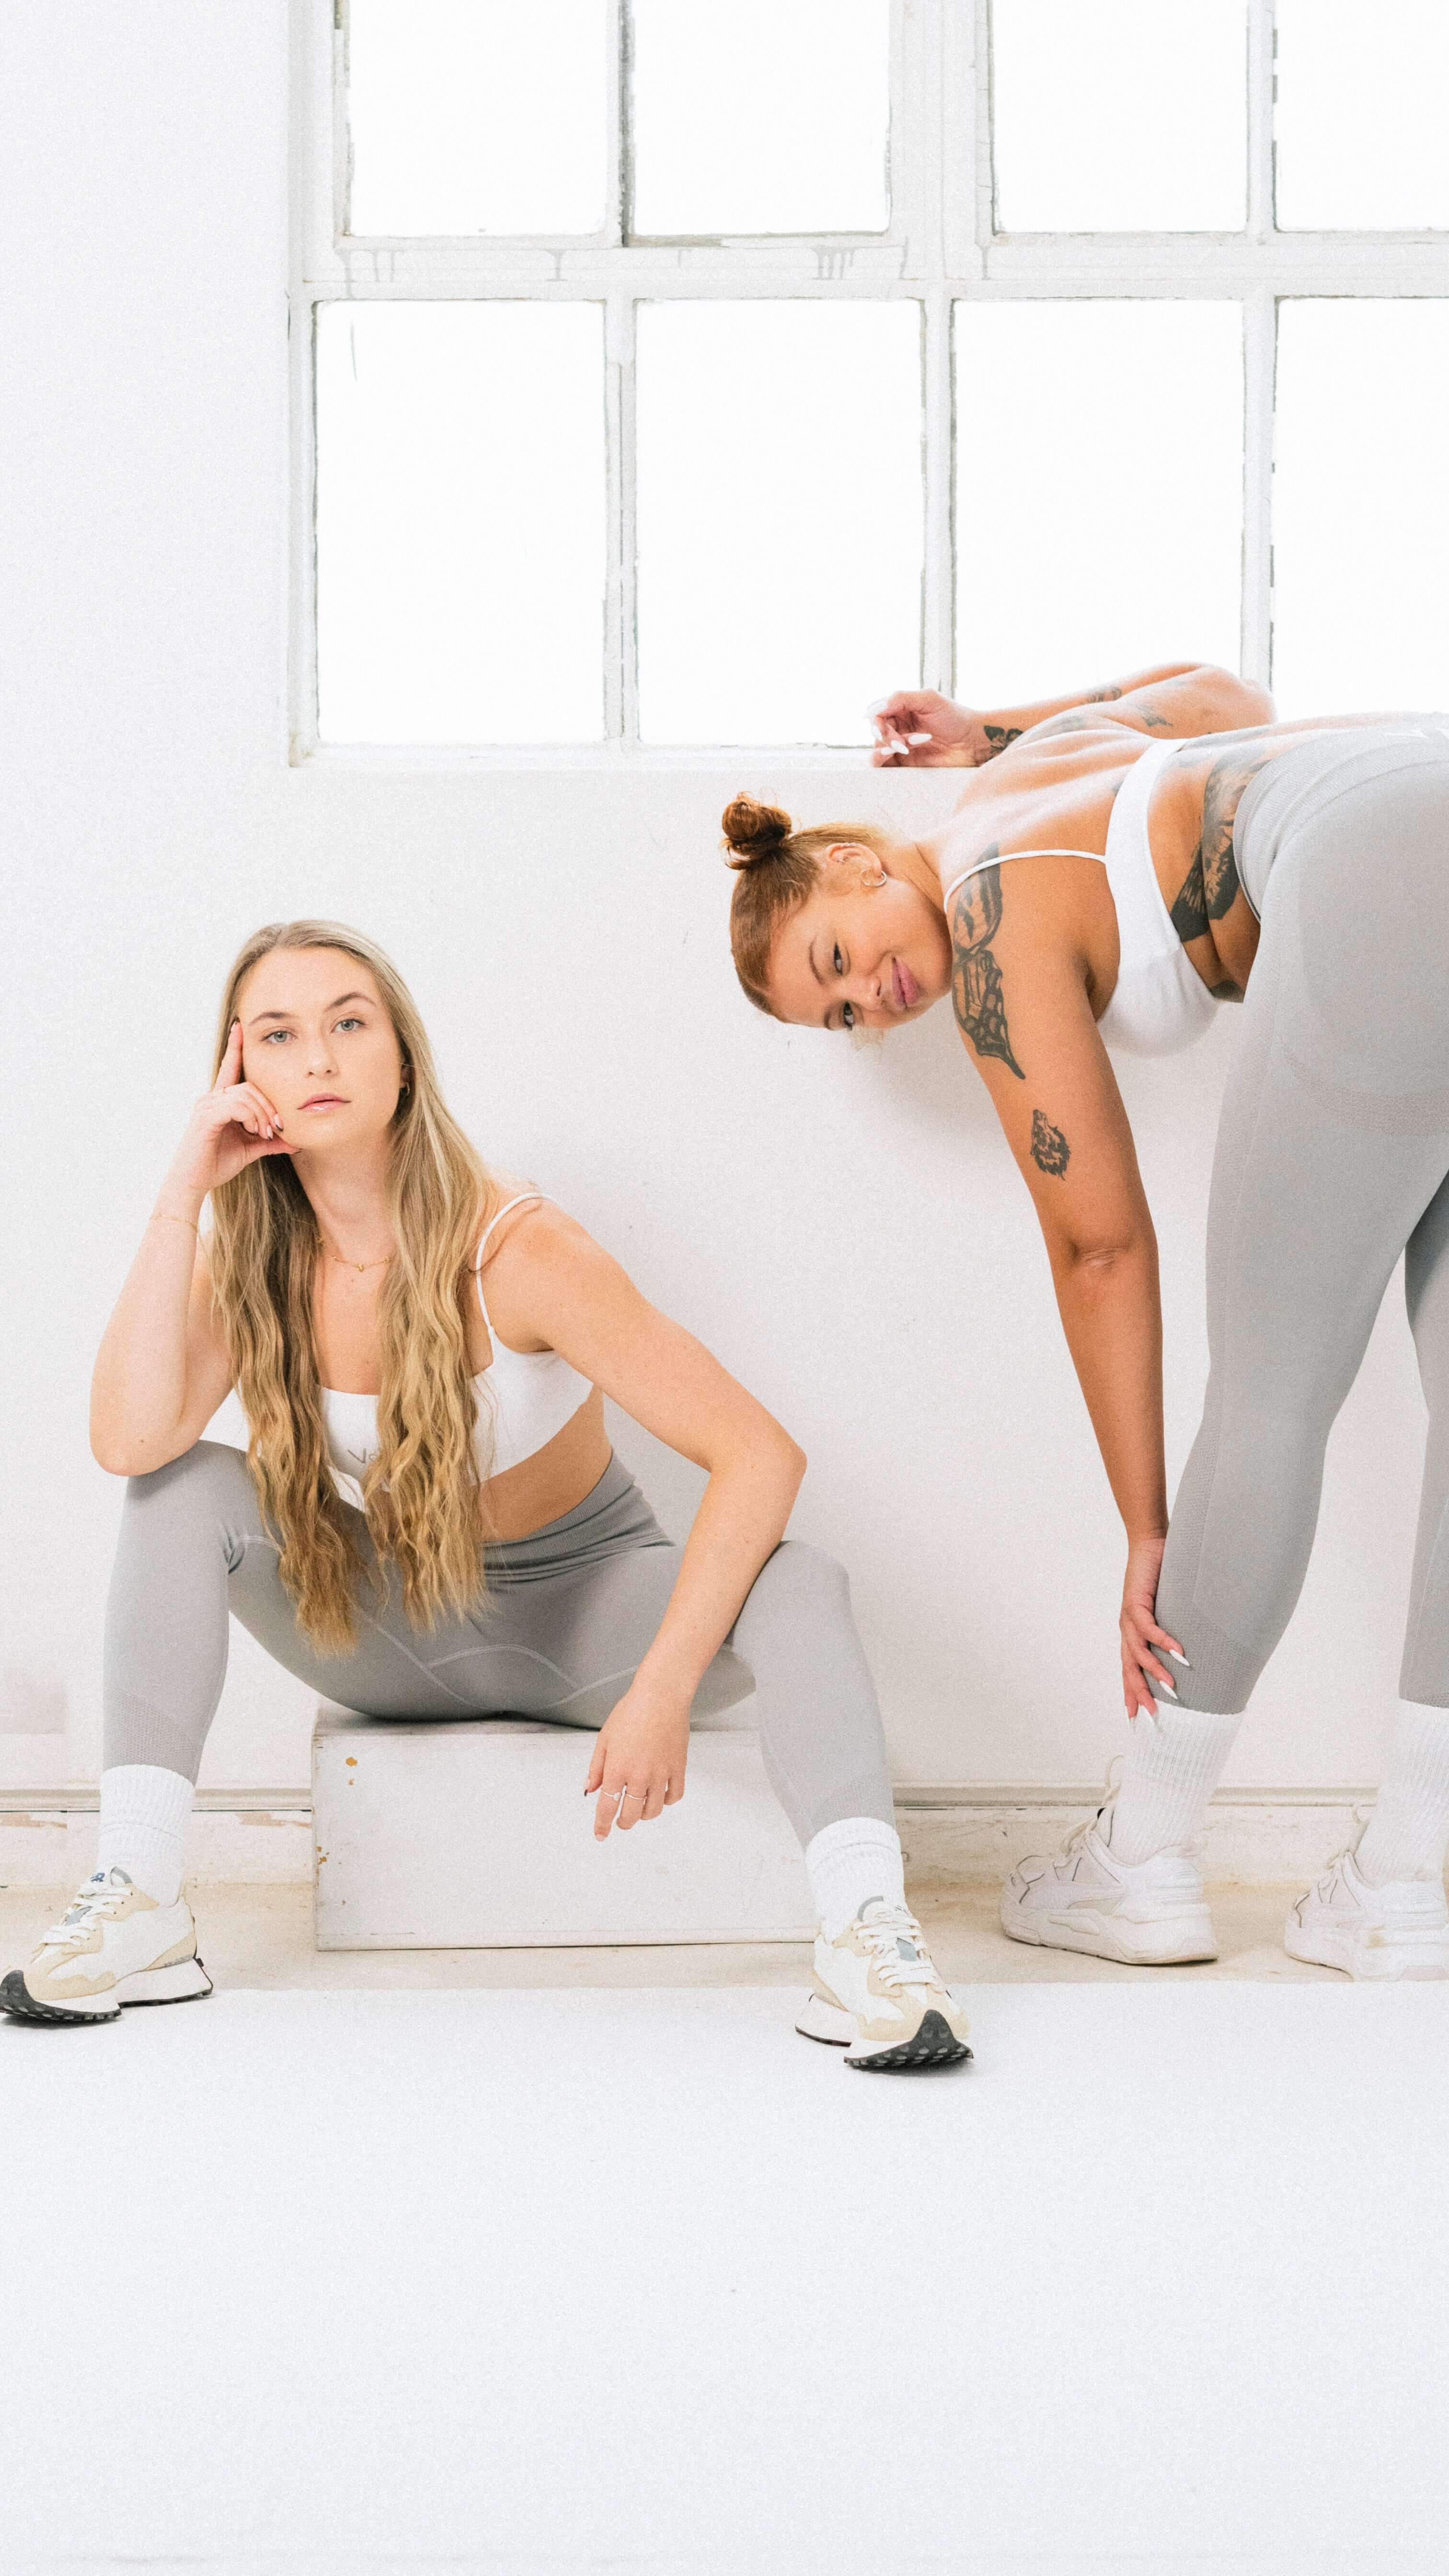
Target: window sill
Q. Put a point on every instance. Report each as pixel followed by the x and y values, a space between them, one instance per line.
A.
pixel 604 758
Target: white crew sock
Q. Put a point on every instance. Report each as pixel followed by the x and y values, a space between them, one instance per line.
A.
pixel 143 1826
pixel 1170 1772
pixel 1408 1832
pixel 848 1864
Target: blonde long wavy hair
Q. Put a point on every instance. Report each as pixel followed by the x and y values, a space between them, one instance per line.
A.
pixel 420 1494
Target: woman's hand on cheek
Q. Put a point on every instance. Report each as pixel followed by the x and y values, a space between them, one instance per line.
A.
pixel 639 1759
pixel 1143 1641
pixel 232 1125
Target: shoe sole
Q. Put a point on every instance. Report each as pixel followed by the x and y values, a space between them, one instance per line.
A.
pixel 1181 1939
pixel 183 1983
pixel 1399 1962
pixel 934 2044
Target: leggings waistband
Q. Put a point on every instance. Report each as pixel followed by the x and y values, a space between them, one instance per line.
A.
pixel 612 1518
pixel 1289 792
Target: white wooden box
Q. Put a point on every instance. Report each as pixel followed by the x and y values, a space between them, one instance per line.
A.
pixel 474 1834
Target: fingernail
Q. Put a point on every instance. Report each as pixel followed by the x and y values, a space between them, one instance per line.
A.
pixel 1178 1657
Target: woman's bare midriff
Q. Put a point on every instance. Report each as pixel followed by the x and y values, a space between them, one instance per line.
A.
pixel 1055 791
pixel 553 1481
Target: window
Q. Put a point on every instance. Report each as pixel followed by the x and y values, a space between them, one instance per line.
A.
pixel 672 377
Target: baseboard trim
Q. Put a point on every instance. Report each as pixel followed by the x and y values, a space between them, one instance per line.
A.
pixel 952 1829
pixel 1253 1837
pixel 920 1796
pixel 245 1837
pixel 83 1798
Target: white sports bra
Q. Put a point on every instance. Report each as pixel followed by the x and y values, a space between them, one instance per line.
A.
pixel 1159 1002
pixel 528 1395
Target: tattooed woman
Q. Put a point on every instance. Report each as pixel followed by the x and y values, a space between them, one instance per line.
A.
pixel 1118 866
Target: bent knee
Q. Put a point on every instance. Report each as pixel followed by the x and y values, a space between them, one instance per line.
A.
pixel 208 1466
pixel 802 1573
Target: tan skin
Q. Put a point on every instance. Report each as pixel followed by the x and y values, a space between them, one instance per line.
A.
pixel 1029 955
pixel 314 1069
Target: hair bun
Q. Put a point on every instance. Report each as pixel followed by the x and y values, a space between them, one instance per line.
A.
pixel 753 832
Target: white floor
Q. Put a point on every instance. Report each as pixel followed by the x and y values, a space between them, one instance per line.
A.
pixel 557 2280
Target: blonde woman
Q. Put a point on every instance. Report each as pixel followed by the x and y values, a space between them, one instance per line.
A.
pixel 429 1521
pixel 1119 866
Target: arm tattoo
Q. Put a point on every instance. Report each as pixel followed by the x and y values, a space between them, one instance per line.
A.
pixel 1001 737
pixel 1099 697
pixel 1210 887
pixel 976 993
pixel 1049 1148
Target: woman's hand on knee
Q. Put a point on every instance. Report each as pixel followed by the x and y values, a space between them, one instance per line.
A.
pixel 1141 1666
pixel 639 1761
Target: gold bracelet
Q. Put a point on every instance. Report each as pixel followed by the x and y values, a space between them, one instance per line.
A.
pixel 167 1219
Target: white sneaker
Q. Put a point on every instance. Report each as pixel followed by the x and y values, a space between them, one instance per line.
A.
pixel 1149 1913
pixel 1400 1930
pixel 114 1946
pixel 877 1994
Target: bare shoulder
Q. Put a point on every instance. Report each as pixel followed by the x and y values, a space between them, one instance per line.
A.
pixel 539 1261
pixel 536 1229
pixel 1010 798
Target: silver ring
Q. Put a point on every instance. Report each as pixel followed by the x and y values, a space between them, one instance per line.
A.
pixel 641 1794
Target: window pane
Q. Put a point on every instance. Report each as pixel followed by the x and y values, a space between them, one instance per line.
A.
pixel 1361 506
pixel 460 522
pixel 769 116
pixel 780 523
pixel 476 116
pixel 1098 491
pixel 1128 117
pixel 1363 109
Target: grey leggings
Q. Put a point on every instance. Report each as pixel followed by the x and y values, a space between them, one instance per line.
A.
pixel 567 1615
pixel 1331 1160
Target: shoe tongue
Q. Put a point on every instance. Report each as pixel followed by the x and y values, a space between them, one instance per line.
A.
pixel 877 1912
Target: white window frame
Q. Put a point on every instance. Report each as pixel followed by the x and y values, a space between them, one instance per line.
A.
pixel 942 247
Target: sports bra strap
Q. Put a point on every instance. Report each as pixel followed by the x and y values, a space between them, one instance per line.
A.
pixel 521 1201
pixel 998 858
pixel 497 1219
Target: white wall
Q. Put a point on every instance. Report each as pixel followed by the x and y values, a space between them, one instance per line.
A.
pixel 845 1229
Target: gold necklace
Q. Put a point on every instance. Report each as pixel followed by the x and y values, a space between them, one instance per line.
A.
pixel 356 1265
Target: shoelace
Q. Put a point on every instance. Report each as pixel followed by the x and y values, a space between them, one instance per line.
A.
pixel 1331 1880
pixel 1076 1842
pixel 81 1913
pixel 883 1934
